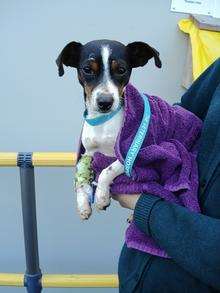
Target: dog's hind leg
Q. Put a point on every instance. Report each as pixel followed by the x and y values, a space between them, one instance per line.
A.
pixel 102 196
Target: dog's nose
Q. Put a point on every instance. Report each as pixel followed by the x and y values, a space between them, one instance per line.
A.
pixel 105 102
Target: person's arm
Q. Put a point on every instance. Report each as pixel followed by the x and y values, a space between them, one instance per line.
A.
pixel 198 97
pixel 191 239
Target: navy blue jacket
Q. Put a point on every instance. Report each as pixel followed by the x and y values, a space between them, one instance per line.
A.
pixel 192 240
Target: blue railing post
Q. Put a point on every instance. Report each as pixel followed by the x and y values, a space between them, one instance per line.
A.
pixel 32 279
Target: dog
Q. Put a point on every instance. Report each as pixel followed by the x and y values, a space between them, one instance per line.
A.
pixel 104 68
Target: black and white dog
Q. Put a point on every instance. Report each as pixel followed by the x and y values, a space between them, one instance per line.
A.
pixel 104 68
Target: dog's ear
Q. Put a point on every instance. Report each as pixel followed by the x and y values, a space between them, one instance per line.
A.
pixel 69 56
pixel 139 53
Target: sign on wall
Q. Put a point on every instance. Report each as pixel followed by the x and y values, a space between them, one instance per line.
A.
pixel 205 7
pixel 216 9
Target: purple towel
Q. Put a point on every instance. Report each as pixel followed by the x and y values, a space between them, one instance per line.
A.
pixel 166 163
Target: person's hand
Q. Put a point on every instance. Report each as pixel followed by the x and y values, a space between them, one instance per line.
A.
pixel 127 201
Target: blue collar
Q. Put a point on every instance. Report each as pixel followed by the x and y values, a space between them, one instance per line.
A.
pixel 102 118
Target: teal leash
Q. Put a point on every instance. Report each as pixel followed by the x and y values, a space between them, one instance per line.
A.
pixel 139 138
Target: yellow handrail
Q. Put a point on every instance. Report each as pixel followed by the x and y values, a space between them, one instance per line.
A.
pixel 16 280
pixel 8 159
pixel 64 281
pixel 54 159
pixel 71 281
pixel 41 159
pixel 61 159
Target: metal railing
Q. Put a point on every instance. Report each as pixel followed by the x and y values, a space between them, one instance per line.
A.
pixel 33 279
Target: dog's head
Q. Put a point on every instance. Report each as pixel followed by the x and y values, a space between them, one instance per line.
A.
pixel 104 68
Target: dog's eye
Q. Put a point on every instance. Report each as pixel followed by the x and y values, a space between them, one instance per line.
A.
pixel 88 70
pixel 121 70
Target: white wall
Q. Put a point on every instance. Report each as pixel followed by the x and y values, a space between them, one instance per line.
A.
pixel 42 112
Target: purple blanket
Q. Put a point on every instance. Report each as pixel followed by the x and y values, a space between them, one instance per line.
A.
pixel 166 163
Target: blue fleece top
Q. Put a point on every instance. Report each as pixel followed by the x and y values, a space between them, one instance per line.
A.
pixel 191 239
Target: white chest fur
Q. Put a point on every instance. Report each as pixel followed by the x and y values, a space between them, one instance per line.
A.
pixel 102 138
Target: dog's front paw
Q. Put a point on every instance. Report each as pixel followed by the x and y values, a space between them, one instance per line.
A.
pixel 102 198
pixel 83 201
pixel 85 213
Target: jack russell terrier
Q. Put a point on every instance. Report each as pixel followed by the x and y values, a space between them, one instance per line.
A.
pixel 104 68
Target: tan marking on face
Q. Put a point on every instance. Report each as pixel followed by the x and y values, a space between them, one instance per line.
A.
pixel 121 90
pixel 114 68
pixel 88 90
pixel 114 65
pixel 94 65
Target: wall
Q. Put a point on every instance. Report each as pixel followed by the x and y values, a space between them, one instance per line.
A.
pixel 42 112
